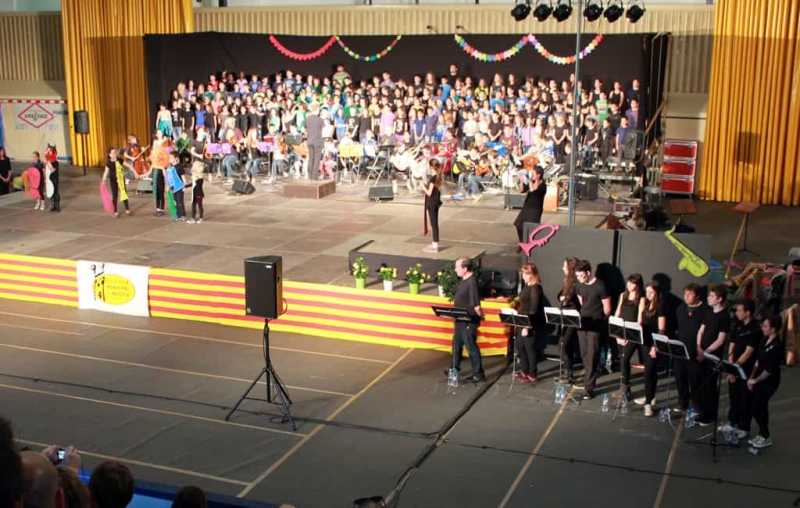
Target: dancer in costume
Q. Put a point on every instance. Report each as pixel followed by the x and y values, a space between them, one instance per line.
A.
pixel 159 159
pixel 36 178
pixel 114 173
pixel 164 120
pixel 51 164
pixel 197 192
pixel 174 180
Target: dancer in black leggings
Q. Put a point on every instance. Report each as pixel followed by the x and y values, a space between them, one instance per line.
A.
pixel 631 303
pixel 653 319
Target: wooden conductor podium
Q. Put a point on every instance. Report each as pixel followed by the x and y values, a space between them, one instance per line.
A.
pixel 551 199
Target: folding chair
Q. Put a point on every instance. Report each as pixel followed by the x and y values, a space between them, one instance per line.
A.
pixel 378 167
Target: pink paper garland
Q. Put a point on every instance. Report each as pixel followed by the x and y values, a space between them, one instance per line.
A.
pixel 301 56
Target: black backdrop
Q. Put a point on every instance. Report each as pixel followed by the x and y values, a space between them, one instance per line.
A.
pixel 175 58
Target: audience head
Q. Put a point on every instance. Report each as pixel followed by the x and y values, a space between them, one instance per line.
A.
pixel 189 497
pixel 76 494
pixel 42 488
pixel 111 485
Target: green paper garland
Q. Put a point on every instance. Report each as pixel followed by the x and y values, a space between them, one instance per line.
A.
pixel 372 58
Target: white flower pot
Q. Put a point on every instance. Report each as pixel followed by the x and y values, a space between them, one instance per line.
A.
pixel 388 285
pixel 441 291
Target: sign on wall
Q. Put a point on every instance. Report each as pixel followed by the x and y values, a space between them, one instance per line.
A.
pixel 29 125
pixel 120 289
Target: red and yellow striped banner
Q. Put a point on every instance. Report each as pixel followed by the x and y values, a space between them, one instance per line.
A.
pixel 37 279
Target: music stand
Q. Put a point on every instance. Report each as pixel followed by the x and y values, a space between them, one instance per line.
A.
pixel 672 349
pixel 515 321
pixel 562 318
pixel 631 331
pixel 720 366
pixel 457 314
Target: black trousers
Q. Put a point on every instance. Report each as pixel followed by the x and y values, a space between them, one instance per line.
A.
pixel 197 204
pixel 158 189
pixel 180 206
pixel 590 353
pixel 55 200
pixel 685 371
pixel 433 217
pixel 707 394
pixel 466 334
pixel 741 400
pixel 568 343
pixel 762 392
pixel 526 352
pixel 314 158
pixel 115 195
pixel 625 362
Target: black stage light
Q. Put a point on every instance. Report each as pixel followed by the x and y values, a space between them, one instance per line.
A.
pixel 635 12
pixel 614 11
pixel 521 10
pixel 593 11
pixel 563 11
pixel 543 10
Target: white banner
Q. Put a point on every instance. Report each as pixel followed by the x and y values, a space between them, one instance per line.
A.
pixel 121 289
pixel 30 125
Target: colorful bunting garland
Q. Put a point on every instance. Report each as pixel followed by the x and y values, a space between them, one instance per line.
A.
pixel 376 56
pixel 516 48
pixel 301 56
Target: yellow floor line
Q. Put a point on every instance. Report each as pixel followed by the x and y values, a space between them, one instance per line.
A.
pixel 316 429
pixel 197 337
pixel 164 369
pixel 144 464
pixel 665 480
pixel 151 410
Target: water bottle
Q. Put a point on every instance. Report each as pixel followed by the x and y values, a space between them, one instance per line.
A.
pixel 602 357
pixel 562 398
pixel 735 435
pixel 624 406
pixel 605 403
pixel 662 415
pixel 608 359
pixel 558 394
pixel 690 418
pixel 728 436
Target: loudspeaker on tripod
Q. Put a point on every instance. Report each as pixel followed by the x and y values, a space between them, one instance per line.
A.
pixel 263 286
pixel 81 120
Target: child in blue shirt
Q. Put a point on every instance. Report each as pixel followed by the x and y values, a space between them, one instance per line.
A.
pixel 174 181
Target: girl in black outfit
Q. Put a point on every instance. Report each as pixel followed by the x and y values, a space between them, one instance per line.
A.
pixel 766 378
pixel 531 305
pixel 433 201
pixel 116 180
pixel 653 319
pixel 568 299
pixel 197 193
pixel 534 202
pixel 631 302
pixel 5 172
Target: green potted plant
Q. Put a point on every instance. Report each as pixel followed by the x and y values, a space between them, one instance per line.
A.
pixel 388 275
pixel 448 281
pixel 360 272
pixel 415 276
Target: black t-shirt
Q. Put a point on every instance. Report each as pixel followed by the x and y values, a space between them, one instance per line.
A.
pixel 689 321
pixel 198 146
pixel 650 322
pixel 434 201
pixel 770 358
pixel 535 198
pixel 5 170
pixel 197 190
pixel 630 311
pixel 742 336
pixel 570 300
pixel 532 304
pixel 467 296
pixel 592 313
pixel 715 323
pixel 188 118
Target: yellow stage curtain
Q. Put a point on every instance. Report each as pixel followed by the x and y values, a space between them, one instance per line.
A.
pixel 751 149
pixel 105 66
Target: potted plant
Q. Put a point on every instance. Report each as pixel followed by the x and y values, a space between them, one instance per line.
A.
pixel 388 275
pixel 448 281
pixel 415 276
pixel 360 272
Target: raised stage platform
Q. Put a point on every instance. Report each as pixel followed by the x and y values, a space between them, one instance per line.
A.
pixel 308 189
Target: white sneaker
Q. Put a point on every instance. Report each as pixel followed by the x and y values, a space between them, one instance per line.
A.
pixel 200 221
pixel 190 221
pixel 761 442
pixel 228 182
pixel 640 401
pixel 648 410
pixel 741 434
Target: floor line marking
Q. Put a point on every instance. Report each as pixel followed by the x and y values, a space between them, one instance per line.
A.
pixel 151 410
pixel 75 334
pixel 144 464
pixel 197 337
pixel 316 429
pixel 165 369
pixel 533 454
pixel 662 489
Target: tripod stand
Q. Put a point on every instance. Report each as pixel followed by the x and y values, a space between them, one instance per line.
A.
pixel 563 318
pixel 515 321
pixel 673 349
pixel 276 390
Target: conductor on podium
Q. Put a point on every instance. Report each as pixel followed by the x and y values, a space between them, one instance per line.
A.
pixel 466 333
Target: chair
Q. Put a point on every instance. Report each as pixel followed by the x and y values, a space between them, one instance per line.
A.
pixel 653 187
pixel 379 167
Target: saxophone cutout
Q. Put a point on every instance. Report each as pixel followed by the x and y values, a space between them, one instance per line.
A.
pixel 690 261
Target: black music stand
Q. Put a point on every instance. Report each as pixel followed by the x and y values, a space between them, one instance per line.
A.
pixel 457 314
pixel 618 328
pixel 515 321
pixel 672 349
pixel 720 366
pixel 562 318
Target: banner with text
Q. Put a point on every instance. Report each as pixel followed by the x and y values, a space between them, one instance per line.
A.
pixel 121 289
pixel 29 125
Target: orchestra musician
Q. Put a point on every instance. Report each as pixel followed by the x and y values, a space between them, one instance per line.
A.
pixel 234 137
pixel 403 161
pixel 198 148
pixel 254 158
pixel 134 159
pixel 477 177
pixel 280 159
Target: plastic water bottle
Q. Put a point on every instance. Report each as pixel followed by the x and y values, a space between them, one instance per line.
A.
pixel 662 415
pixel 735 435
pixel 605 403
pixel 559 386
pixel 624 406
pixel 728 433
pixel 562 398
pixel 608 359
pixel 690 418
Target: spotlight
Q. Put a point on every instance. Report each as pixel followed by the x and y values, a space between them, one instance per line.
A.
pixel 563 11
pixel 593 11
pixel 635 11
pixel 614 11
pixel 521 10
pixel 543 10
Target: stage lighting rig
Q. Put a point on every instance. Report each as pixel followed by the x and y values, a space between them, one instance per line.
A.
pixel 614 11
pixel 543 10
pixel 522 10
pixel 563 10
pixel 635 11
pixel 593 11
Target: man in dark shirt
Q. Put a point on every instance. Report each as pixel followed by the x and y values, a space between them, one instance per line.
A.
pixel 595 308
pixel 690 316
pixel 466 333
pixel 744 340
pixel 711 340
pixel 314 126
